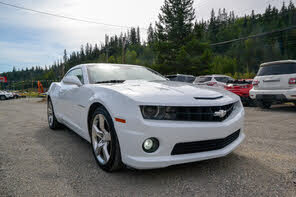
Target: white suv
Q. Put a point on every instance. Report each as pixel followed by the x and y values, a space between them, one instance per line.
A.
pixel 4 95
pixel 275 83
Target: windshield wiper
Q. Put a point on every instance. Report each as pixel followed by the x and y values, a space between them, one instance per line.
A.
pixel 111 81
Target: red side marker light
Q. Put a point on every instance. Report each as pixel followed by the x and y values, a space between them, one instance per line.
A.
pixel 120 120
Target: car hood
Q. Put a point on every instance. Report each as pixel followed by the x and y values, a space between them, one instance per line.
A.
pixel 171 93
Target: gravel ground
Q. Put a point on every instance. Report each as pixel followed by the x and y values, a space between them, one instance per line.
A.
pixel 35 161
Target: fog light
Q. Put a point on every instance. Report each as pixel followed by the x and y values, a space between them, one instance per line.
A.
pixel 150 145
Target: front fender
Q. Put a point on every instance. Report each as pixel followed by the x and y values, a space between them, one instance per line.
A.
pixel 118 105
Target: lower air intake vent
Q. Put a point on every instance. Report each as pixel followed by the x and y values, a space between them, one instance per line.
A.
pixel 204 146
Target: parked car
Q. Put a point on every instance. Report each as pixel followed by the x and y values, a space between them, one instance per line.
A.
pixel 275 83
pixel 20 94
pixel 182 78
pixel 213 80
pixel 9 95
pixel 4 95
pixel 242 89
pixel 134 116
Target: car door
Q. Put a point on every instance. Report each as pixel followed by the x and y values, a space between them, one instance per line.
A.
pixel 69 96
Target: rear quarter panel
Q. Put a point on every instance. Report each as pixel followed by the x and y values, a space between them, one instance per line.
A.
pixel 53 93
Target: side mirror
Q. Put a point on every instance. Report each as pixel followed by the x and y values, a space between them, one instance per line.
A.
pixel 73 80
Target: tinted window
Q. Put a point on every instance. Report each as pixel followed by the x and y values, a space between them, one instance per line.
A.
pixel 277 69
pixel 172 78
pixel 222 79
pixel 187 79
pixel 190 79
pixel 203 79
pixel 77 73
pixel 181 78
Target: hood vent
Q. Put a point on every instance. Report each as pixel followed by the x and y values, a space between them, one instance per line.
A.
pixel 208 98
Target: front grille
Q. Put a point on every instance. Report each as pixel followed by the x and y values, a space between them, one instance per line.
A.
pixel 204 146
pixel 203 114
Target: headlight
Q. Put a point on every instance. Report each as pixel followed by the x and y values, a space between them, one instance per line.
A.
pixel 153 112
pixel 158 112
pixel 237 105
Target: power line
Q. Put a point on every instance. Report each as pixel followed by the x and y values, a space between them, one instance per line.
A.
pixel 255 36
pixel 66 17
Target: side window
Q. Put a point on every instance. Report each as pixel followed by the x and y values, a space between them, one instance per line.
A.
pixel 190 79
pixel 172 78
pixel 181 78
pixel 77 73
pixel 222 79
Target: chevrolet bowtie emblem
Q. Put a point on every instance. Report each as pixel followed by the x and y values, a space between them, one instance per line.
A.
pixel 221 113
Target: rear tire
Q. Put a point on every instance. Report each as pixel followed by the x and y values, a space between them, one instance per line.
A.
pixel 251 103
pixel 264 105
pixel 104 141
pixel 2 97
pixel 52 121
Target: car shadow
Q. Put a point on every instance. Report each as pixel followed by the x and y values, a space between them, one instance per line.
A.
pixel 234 175
pixel 277 108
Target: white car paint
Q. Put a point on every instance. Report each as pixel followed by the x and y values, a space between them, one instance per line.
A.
pixel 213 80
pixel 72 103
pixel 279 85
pixel 8 95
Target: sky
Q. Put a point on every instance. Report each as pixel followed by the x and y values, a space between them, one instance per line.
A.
pixel 30 39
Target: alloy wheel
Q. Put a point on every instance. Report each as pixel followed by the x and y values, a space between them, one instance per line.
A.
pixel 101 139
pixel 50 113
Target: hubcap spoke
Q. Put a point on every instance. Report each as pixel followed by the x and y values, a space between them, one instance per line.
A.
pixel 106 152
pixel 97 131
pixel 98 148
pixel 102 123
pixel 107 137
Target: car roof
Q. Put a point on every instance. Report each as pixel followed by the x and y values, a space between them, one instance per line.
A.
pixel 215 76
pixel 183 75
pixel 278 62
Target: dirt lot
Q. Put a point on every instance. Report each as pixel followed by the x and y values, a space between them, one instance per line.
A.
pixel 35 161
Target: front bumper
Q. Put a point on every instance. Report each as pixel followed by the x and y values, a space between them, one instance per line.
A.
pixel 169 133
pixel 275 95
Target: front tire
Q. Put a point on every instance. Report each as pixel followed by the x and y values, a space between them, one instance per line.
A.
pixel 104 141
pixel 2 97
pixel 264 105
pixel 52 121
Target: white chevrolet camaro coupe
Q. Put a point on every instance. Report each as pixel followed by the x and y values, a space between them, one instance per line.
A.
pixel 133 116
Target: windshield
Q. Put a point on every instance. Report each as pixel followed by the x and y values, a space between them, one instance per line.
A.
pixel 223 79
pixel 277 69
pixel 101 73
pixel 202 79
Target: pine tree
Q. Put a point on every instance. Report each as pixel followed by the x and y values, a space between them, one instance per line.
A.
pixel 213 27
pixel 133 36
pixel 65 57
pixel 138 35
pixel 175 21
pixel 151 36
pixel 82 54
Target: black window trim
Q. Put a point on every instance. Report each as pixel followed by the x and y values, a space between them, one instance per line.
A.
pixel 74 70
